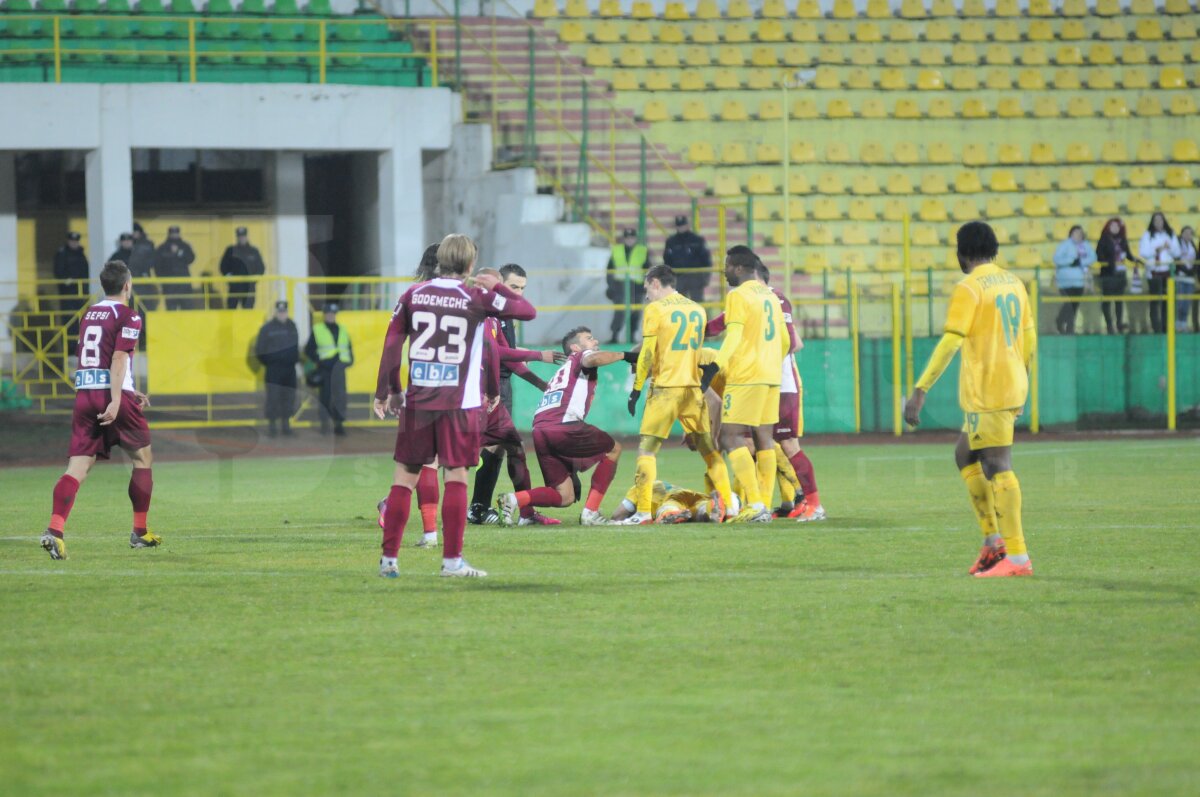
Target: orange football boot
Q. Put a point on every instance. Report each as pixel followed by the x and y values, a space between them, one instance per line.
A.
pixel 988 556
pixel 1005 567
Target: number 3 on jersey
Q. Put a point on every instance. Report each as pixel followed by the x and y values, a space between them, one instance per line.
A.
pixel 1008 307
pixel 770 321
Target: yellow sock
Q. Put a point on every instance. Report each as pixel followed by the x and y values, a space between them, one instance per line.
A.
pixel 742 464
pixel 717 475
pixel 788 483
pixel 765 460
pixel 643 482
pixel 1008 511
pixel 980 490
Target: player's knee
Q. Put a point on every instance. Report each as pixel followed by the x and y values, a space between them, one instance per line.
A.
pixel 566 493
pixel 615 451
pixel 649 445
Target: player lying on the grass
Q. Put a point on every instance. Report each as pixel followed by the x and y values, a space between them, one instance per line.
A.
pixel 565 443
pixel 108 409
pixel 440 412
pixel 989 319
pixel 751 362
pixel 670 504
pixel 500 435
pixel 671 356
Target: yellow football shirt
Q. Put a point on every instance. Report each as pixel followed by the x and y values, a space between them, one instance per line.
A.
pixel 759 356
pixel 677 325
pixel 990 310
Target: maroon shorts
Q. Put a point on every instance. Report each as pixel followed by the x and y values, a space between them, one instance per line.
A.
pixel 90 439
pixel 789 417
pixel 500 429
pixel 569 448
pixel 450 436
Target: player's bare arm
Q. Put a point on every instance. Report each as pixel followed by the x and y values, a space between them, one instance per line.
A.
pixel 595 359
pixel 120 367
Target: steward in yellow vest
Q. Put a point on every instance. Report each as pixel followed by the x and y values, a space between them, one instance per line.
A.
pixel 329 349
pixel 627 266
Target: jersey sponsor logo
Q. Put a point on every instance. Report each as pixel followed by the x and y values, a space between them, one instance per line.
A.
pixel 130 332
pixel 95 315
pixel 499 302
pixel 92 378
pixel 549 401
pixel 434 374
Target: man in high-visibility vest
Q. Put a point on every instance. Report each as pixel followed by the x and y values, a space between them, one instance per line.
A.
pixel 627 266
pixel 330 351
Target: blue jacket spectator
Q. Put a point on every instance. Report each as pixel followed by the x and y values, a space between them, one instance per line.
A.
pixel 1072 260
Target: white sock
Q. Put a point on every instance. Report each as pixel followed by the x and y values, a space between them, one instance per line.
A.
pixel 452 564
pixel 1019 558
pixel 431 536
pixel 993 540
pixel 388 561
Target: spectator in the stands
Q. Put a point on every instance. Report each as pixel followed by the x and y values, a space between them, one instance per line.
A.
pixel 1112 253
pixel 174 258
pixel 141 264
pixel 1072 260
pixel 1185 280
pixel 1159 249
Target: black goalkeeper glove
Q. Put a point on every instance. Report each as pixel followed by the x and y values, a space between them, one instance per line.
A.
pixel 633 399
pixel 707 373
pixel 630 357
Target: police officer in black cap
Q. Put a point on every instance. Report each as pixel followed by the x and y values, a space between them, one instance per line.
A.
pixel 124 249
pixel 71 271
pixel 242 260
pixel 174 258
pixel 141 264
pixel 686 250
pixel 278 349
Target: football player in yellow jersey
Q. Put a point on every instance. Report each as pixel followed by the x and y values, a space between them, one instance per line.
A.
pixel 670 504
pixel 751 361
pixel 671 356
pixel 989 319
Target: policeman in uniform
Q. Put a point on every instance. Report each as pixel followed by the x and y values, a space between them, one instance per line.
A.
pixel 124 249
pixel 71 271
pixel 687 250
pixel 330 350
pixel 278 349
pixel 141 263
pixel 174 258
pixel 626 267
pixel 242 260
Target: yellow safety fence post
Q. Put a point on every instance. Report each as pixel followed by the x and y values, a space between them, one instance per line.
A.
pixel 722 245
pixel 1035 424
pixel 909 368
pixel 897 388
pixel 191 49
pixel 433 54
pixel 57 51
pixel 854 330
pixel 321 52
pixel 1170 320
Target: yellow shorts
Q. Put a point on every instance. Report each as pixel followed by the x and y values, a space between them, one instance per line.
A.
pixel 750 405
pixel 989 429
pixel 665 405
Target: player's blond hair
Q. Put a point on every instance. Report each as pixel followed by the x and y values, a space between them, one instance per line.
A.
pixel 456 254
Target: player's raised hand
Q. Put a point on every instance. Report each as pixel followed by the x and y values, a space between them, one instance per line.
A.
pixel 633 400
pixel 551 356
pixel 142 399
pixel 912 408
pixel 707 374
pixel 486 281
pixel 110 412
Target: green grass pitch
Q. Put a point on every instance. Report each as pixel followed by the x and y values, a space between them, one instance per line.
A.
pixel 259 653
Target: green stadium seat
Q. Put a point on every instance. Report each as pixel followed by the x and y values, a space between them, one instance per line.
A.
pixel 182 7
pixel 253 7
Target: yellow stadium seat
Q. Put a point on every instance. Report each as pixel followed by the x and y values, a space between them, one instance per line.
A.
pixel 770 30
pixel 888 260
pixel 1072 180
pixel 779 232
pixel 738 9
pixel 705 33
pixel 572 33
pixel 736 33
pixel 1140 202
pixel 930 79
pixel 973 9
pixel 1105 205
pixel 1040 8
pixel 640 33
pixel 1002 237
pixel 876 9
pixel 695 56
pixel 1148 105
pixel 1148 30
pixel 1175 203
pixel 1172 77
pixel 934 183
pixel 1067 79
pixel 1079 152
pixel 844 9
pixel 1112 30
pixel 864 184
pixel 1039 31
pixel 808 9
pixel 1182 105
pixel 695 111
pixel 1046 107
pixel 1031 80
pixel 1035 205
pixel 1075 8
pixel 1069 206
pixel 1009 154
pixel 796 209
pixel 1037 180
pixel 545 9
pixel 1134 54
pixel 767 153
pixel 1010 108
pixel 658 81
pixel 1185 150
pixel 901 32
pixel 733 153
pixel 839 109
pixel 964 79
pixel 707 9
pixel 898 183
pixel 824 209
pixel 1006 31
pixel 905 153
pixel 726 185
pixel 941 108
pixel 893 210
pixel 912 9
pixel 1135 79
pixel 642 9
pixel 873 108
pixel 862 55
pixel 625 80
pixel 860 78
pixel 1031 232
pixel 1080 108
pixel 868 33
pixel 906 109
pixel 972 109
pixel 764 57
pixel 775 9
pixel 1105 177
pixel 1108 8
pixel 1115 108
pixel 838 152
pixel 1170 53
pixel 671 34
pixel 610 8
pixel 578 9
pixel 998 207
pixel 1179 177
pixel 701 152
pixel 676 11
pixel 798 183
pixel 936 152
pixel 998 79
pixel 691 80
pixel 827 79
pixel 731 56
pixel 1114 152
pixel 895 55
pixel 1101 79
pixel 761 183
pixel 963 209
pixel 1073 30
pixel 656 111
pixel 804 108
pixel 665 57
pixel 802 151
pixel 973 33
pixel 862 210
pixel 1027 257
pixel 1101 54
pixel 963 54
pixel 817 260
pixel 733 111
pixel 598 57
pixel 821 234
pixel 926 235
pixel 939 31
pixel 835 33
pixel 872 152
pixel 632 57
pixel 1002 180
pixel 770 109
pixel 855 235
pixel 805 32
pixel 942 8
pixel 830 55
pixel 932 210
pixel 1007 8
pixel 932 56
pixel 1178 7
